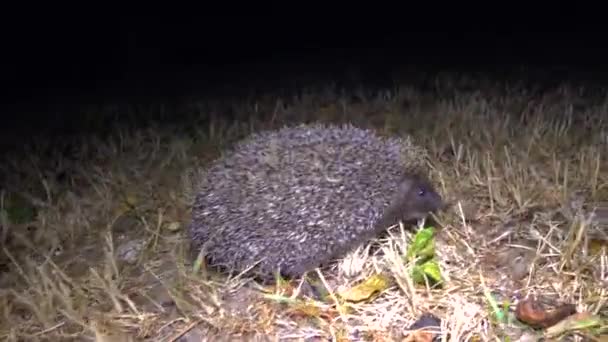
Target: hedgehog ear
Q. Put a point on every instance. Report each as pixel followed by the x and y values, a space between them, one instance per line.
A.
pixel 417 174
pixel 406 186
pixel 412 177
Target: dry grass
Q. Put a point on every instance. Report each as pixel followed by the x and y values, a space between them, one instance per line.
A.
pixel 104 258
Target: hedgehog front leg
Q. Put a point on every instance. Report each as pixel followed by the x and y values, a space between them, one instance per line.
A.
pixel 308 262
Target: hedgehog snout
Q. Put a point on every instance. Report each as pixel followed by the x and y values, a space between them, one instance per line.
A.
pixel 428 201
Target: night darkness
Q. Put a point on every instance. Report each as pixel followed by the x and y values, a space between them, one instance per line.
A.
pixel 53 66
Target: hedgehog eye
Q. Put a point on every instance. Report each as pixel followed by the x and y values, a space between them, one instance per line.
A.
pixel 421 191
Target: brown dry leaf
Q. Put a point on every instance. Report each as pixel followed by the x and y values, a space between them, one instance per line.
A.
pixel 366 289
pixel 534 314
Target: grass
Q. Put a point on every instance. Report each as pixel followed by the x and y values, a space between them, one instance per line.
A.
pixel 93 244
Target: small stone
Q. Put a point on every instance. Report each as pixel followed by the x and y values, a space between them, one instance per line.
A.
pixel 174 226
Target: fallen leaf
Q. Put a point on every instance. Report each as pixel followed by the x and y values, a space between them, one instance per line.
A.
pixel 533 313
pixel 366 289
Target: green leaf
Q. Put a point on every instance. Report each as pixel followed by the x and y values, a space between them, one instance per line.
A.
pixel 417 274
pixel 423 244
pixel 431 269
pixel 423 248
pixel 428 251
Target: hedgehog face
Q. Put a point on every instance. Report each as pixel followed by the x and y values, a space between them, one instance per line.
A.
pixel 417 198
pixel 427 200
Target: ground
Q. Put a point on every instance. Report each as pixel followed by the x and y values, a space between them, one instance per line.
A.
pixel 93 232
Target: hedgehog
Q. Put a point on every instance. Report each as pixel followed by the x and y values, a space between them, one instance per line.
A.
pixel 289 200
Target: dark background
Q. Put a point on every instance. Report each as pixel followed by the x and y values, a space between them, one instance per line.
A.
pixel 53 64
